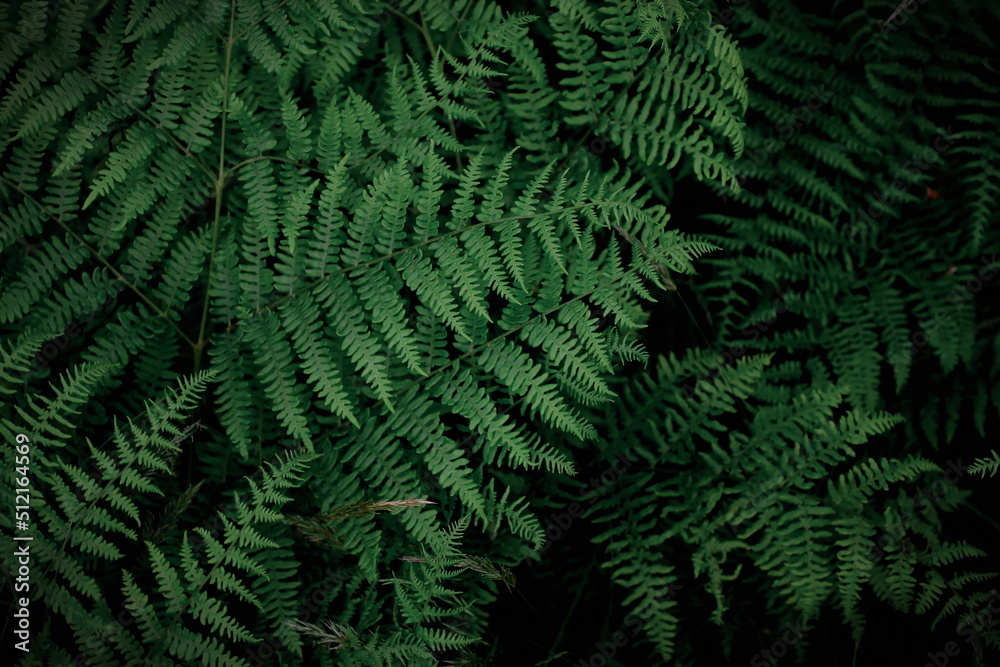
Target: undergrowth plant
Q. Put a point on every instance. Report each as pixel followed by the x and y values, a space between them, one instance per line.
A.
pixel 311 308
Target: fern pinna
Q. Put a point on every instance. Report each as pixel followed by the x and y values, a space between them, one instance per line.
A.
pixel 312 308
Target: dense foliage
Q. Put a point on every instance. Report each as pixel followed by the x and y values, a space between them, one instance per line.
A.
pixel 328 325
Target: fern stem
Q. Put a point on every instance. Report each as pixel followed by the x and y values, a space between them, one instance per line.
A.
pixel 454 32
pixel 493 340
pixel 427 38
pixel 220 181
pixel 984 517
pixel 276 158
pixel 604 113
pixel 434 50
pixel 220 561
pixel 267 14
pixel 76 237
pixel 395 253
pixel 985 323
pixel 569 613
pixel 155 123
pixel 413 122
